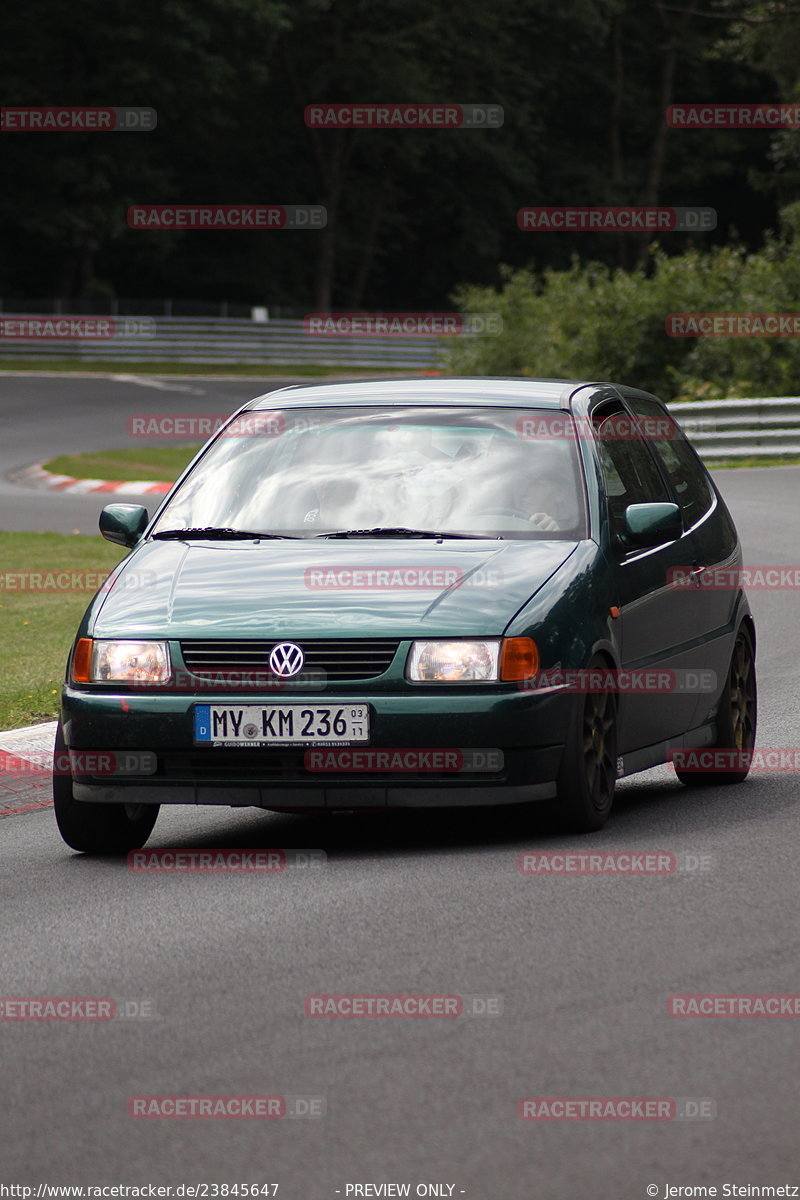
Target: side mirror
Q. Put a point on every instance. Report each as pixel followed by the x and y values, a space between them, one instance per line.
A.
pixel 123 524
pixel 649 524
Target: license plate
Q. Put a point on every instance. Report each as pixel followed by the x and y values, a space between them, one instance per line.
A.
pixel 280 724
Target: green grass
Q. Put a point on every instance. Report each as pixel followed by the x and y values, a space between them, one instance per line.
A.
pixel 224 370
pixel 38 628
pixel 157 463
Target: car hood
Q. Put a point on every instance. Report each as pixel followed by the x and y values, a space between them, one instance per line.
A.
pixel 276 589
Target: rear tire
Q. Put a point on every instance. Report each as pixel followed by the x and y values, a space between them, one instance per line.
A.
pixel 97 828
pixel 588 774
pixel 737 718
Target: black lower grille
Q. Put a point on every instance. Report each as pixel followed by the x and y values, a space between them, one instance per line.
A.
pixel 228 765
pixel 358 658
pixel 253 764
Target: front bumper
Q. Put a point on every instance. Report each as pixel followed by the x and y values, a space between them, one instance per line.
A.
pixel 529 729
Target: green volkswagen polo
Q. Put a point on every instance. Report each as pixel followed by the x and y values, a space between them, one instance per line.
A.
pixel 439 592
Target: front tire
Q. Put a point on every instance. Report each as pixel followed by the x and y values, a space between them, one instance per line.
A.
pixel 96 828
pixel 588 774
pixel 737 718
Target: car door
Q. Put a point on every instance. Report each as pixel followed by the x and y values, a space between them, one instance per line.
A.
pixel 718 555
pixel 658 621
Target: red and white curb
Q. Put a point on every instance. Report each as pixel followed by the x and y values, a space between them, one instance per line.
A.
pixel 24 782
pixel 35 476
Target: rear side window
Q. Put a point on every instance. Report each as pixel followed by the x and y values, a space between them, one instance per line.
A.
pixel 692 489
pixel 631 476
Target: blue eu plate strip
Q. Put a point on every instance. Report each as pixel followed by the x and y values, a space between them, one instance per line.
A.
pixel 202 723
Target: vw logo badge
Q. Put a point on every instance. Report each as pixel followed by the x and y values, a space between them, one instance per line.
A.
pixel 286 659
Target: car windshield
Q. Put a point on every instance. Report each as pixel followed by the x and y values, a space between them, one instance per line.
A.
pixel 452 470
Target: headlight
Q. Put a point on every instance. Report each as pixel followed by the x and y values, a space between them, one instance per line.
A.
pixel 120 662
pixel 453 662
pixel 493 661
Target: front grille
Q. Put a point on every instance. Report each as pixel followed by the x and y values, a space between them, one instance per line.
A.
pixel 339 658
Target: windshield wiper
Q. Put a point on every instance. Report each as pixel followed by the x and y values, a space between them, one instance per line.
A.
pixel 214 531
pixel 398 531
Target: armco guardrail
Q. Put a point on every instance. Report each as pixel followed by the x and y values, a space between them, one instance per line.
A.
pixel 721 429
pixel 224 341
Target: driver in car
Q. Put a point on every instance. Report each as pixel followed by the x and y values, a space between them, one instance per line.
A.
pixel 544 496
pixel 524 490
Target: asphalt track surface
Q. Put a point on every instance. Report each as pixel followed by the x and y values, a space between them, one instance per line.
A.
pixel 419 903
pixel 41 417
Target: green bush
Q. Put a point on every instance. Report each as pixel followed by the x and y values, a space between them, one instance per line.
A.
pixel 596 322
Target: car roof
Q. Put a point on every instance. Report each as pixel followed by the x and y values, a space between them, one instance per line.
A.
pixel 514 393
